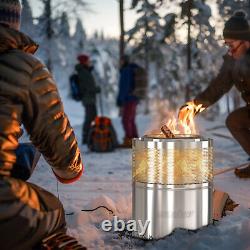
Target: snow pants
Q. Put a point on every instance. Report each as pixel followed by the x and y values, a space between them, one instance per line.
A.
pixel 128 119
pixel 90 114
pixel 238 123
pixel 28 213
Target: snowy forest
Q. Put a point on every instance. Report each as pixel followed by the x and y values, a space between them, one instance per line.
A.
pixel 180 45
pixel 175 45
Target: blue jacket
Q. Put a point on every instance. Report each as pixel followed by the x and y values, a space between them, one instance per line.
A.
pixel 127 84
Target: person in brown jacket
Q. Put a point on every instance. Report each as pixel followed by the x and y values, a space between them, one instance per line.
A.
pixel 29 97
pixel 234 71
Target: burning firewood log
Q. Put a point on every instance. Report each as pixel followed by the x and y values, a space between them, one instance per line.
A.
pixel 221 204
pixel 167 132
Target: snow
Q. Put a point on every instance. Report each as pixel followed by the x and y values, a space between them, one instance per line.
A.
pixel 107 182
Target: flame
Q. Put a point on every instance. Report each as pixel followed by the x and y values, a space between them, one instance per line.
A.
pixel 185 123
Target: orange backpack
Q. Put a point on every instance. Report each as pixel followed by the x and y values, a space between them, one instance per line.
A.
pixel 102 136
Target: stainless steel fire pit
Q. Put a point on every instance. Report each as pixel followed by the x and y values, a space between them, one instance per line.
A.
pixel 172 183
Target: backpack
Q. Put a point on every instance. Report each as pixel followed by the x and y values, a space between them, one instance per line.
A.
pixel 141 83
pixel 74 87
pixel 102 136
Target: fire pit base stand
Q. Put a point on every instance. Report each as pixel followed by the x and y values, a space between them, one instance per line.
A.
pixel 168 207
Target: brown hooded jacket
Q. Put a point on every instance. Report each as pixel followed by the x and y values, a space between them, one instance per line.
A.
pixel 232 72
pixel 29 96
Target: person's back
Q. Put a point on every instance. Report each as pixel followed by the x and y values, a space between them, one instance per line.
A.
pixel 87 84
pixel 127 101
pixel 88 92
pixel 29 96
pixel 127 84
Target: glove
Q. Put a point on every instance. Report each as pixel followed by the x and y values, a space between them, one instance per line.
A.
pixel 188 111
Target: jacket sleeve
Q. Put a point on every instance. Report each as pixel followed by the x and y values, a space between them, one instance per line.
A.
pixel 49 127
pixel 220 85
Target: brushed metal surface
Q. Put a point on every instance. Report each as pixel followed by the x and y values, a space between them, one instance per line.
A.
pixel 183 160
pixel 171 143
pixel 168 207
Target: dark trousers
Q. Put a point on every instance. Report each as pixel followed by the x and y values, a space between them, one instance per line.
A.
pixel 238 122
pixel 128 119
pixel 26 159
pixel 28 213
pixel 90 114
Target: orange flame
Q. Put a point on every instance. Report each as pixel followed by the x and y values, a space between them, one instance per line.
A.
pixel 185 124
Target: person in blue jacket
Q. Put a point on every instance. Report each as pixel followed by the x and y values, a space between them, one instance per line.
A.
pixel 127 101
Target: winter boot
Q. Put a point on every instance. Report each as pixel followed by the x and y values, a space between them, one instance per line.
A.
pixel 61 241
pixel 127 143
pixel 243 172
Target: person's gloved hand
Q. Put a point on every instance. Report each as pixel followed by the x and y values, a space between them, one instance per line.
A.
pixel 188 111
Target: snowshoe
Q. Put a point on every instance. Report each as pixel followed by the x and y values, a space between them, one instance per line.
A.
pixel 243 172
pixel 60 241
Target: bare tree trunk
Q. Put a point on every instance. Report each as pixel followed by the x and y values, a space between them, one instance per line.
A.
pixel 146 50
pixel 49 31
pixel 189 36
pixel 189 52
pixel 122 44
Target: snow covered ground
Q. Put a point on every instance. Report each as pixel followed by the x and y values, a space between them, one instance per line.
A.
pixel 107 181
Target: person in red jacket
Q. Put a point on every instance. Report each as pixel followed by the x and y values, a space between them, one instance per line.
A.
pixel 29 97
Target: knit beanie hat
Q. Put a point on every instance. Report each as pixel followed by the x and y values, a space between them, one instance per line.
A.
pixel 237 27
pixel 10 13
pixel 83 59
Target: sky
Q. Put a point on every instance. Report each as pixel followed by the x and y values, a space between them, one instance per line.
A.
pixel 104 15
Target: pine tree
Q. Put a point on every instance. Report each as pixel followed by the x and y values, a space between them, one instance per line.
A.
pixel 79 35
pixel 102 35
pixel 228 7
pixel 64 26
pixel 48 23
pixel 47 32
pixel 150 30
pixel 145 32
pixel 27 25
pixel 148 35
